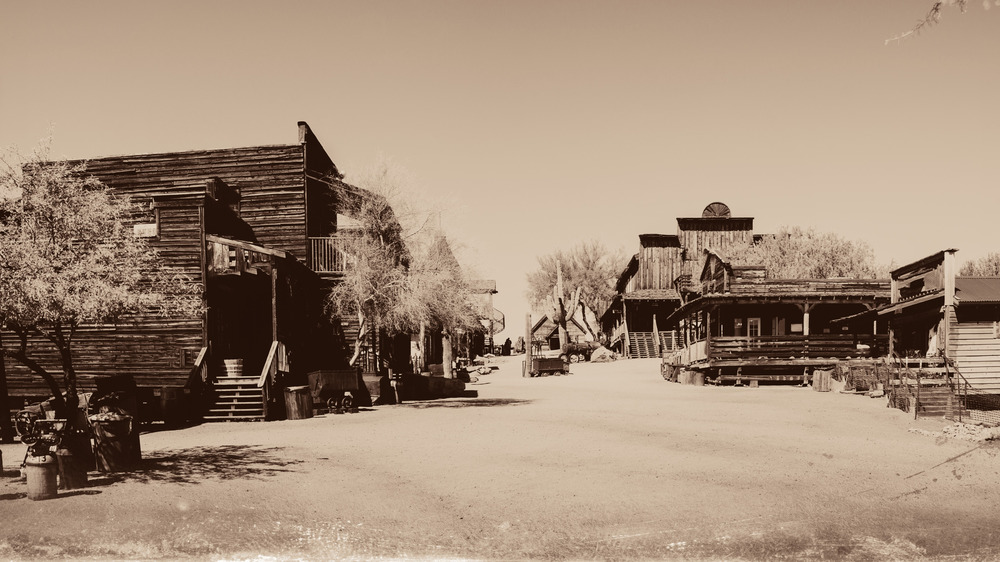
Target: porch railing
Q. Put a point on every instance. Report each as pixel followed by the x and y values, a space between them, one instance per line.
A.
pixel 277 361
pixel 326 254
pixel 780 347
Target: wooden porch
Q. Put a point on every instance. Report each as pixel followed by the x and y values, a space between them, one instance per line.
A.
pixel 774 358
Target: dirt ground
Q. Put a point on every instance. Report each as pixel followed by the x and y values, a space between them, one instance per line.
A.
pixel 609 462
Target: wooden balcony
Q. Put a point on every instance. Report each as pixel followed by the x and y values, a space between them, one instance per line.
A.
pixel 326 255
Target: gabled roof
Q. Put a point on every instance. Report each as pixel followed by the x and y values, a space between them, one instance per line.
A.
pixel 545 318
pixel 977 290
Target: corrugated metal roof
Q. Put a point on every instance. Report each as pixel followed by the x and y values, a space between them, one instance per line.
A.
pixel 979 290
pixel 653 294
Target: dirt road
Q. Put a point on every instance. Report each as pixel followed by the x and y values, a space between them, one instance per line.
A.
pixel 609 462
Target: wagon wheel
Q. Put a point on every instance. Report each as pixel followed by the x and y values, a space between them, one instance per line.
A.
pixel 574 358
pixel 24 423
pixel 348 402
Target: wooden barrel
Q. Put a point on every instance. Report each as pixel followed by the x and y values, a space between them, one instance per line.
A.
pixel 298 403
pixel 173 406
pixel 822 380
pixel 233 367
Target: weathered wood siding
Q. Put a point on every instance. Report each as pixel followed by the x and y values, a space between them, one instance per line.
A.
pixel 975 349
pixel 155 350
pixel 270 180
pixel 658 267
pixel 699 234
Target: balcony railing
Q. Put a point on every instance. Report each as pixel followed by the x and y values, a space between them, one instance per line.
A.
pixel 327 256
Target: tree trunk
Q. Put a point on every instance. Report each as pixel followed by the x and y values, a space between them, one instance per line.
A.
pixel 561 313
pixel 446 355
pixel 421 351
pixel 360 341
pixel 6 427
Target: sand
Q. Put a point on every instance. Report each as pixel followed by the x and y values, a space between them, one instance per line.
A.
pixel 609 462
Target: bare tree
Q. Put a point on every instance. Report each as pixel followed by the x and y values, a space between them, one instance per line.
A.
pixel 933 16
pixel 399 279
pixel 986 266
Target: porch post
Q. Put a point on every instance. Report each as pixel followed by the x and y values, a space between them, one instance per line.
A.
pixel 805 318
pixel 708 329
pixel 949 301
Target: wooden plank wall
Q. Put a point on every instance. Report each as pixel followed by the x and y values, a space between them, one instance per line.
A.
pixel 715 235
pixel 270 180
pixel 157 351
pixel 658 267
pixel 976 350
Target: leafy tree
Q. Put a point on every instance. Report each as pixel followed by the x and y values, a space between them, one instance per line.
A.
pixel 989 265
pixel 797 253
pixel 68 258
pixel 588 267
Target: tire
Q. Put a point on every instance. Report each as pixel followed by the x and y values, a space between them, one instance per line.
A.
pixel 574 358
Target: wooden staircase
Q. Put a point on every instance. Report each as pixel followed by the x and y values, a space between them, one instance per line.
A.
pixel 641 345
pixel 236 399
pixel 934 402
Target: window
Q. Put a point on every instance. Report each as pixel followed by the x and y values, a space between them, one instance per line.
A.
pixel 753 327
pixel 148 229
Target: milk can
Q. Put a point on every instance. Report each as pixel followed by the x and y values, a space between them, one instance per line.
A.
pixel 41 472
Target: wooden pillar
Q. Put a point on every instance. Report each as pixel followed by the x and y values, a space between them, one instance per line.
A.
pixel 527 348
pixel 628 343
pixel 805 318
pixel 708 330
pixel 948 311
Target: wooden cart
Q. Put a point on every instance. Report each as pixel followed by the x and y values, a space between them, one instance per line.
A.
pixel 334 388
pixel 548 366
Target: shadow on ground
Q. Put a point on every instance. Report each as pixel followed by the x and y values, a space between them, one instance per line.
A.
pixel 198 464
pixel 466 403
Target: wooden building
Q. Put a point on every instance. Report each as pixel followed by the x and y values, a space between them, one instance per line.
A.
pixel 257 229
pixel 935 312
pixel 656 280
pixel 545 333
pixel 744 326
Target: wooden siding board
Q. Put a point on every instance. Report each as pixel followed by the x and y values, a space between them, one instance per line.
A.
pixel 270 181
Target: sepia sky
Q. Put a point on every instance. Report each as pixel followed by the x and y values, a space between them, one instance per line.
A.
pixel 542 123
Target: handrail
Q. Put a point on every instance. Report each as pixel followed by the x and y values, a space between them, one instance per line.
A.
pixel 268 364
pixel 961 385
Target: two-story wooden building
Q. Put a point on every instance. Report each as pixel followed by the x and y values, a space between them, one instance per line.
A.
pixel 256 228
pixel 656 281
